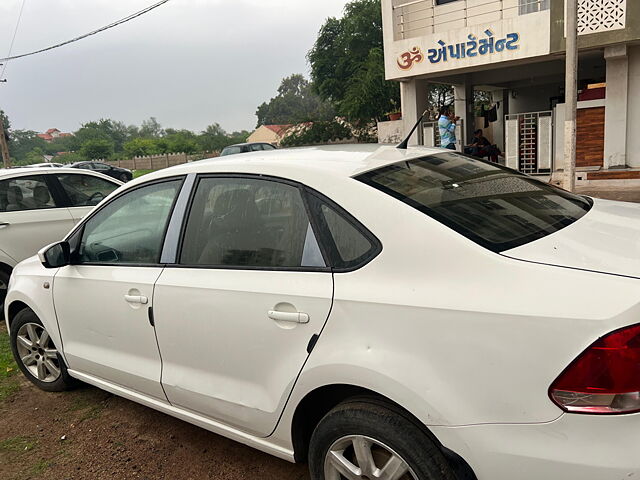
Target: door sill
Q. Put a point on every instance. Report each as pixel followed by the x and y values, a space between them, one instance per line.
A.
pixel 216 427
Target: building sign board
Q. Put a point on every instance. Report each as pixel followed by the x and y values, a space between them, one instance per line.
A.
pixel 514 38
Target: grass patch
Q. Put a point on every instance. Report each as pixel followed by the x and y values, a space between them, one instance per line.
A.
pixel 39 467
pixel 139 173
pixel 18 444
pixel 86 403
pixel 8 368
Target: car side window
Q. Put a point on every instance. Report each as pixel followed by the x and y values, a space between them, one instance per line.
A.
pixel 266 146
pixel 256 147
pixel 101 167
pixel 25 193
pixel 349 244
pixel 244 222
pixel 85 190
pixel 131 228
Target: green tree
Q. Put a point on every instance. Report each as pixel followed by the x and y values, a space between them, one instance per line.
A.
pixel 34 156
pixel 296 102
pixel 213 138
pixel 317 133
pixel 347 65
pixel 24 141
pixel 139 147
pixel 95 149
pixel 183 141
pixel 151 128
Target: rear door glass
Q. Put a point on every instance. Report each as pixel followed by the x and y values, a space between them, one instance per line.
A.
pixel 494 206
pixel 25 193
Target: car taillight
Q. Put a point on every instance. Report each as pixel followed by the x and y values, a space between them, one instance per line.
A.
pixel 605 378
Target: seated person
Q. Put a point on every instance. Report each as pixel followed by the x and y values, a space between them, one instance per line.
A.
pixel 481 147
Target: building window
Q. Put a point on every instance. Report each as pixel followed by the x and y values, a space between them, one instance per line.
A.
pixel 530 6
pixel 443 2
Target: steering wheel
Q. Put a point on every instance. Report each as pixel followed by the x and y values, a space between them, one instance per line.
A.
pixel 96 198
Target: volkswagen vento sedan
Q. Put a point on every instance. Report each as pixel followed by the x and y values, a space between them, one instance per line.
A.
pixel 379 313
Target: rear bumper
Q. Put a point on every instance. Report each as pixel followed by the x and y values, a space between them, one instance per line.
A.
pixel 585 447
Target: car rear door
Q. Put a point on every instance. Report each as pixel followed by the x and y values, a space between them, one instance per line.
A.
pixel 31 215
pixel 236 314
pixel 103 298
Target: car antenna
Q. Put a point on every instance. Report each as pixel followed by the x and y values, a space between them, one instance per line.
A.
pixel 403 144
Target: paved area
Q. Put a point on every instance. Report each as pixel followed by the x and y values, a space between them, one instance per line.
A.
pixel 621 194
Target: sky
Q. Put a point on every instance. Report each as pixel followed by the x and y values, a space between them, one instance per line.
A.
pixel 189 63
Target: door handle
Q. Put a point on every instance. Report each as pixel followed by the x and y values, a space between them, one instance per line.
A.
pixel 295 317
pixel 136 299
pixel 4 224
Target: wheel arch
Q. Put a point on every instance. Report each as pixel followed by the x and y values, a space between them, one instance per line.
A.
pixel 5 267
pixel 318 402
pixel 14 308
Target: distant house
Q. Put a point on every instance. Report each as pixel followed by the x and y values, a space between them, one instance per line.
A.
pixel 269 133
pixel 52 134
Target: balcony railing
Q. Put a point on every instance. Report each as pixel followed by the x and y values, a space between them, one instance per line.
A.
pixel 413 18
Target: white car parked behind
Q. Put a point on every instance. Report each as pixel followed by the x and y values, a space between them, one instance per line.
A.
pixel 382 314
pixel 39 205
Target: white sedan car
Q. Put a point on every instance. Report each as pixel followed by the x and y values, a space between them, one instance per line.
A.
pixel 40 205
pixel 379 313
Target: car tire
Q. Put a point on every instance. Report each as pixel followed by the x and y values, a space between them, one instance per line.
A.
pixel 36 355
pixel 4 285
pixel 391 438
pixel 123 177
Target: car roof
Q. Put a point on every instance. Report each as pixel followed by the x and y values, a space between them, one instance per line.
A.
pixel 344 160
pixel 21 172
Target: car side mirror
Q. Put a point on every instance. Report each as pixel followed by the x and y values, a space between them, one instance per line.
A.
pixel 55 255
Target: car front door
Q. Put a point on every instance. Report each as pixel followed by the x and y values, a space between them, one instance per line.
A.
pixel 84 191
pixel 103 298
pixel 234 317
pixel 31 216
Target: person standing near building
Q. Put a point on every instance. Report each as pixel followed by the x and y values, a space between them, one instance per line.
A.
pixel 447 127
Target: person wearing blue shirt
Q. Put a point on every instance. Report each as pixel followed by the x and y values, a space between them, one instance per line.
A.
pixel 447 128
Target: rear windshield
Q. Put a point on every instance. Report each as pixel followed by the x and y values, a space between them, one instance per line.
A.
pixel 494 206
pixel 230 150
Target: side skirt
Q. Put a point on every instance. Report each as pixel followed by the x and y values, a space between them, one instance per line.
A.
pixel 190 417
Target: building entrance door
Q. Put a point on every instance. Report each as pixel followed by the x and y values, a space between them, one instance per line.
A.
pixel 529 141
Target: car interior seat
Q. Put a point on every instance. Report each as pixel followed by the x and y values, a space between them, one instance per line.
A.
pixel 14 199
pixel 41 196
pixel 236 232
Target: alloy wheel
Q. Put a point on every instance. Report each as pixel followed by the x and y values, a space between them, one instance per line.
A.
pixel 357 457
pixel 37 352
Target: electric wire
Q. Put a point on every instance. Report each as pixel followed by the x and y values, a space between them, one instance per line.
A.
pixel 13 39
pixel 102 29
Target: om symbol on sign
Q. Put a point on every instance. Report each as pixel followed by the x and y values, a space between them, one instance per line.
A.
pixel 407 59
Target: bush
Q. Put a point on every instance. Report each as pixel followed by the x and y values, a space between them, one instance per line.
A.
pixel 317 133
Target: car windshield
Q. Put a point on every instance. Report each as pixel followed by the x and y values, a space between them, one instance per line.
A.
pixel 494 206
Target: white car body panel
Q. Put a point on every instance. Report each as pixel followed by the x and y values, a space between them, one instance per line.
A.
pixel 231 371
pixel 7 259
pixel 115 342
pixel 30 230
pixel 606 239
pixel 78 213
pixel 465 339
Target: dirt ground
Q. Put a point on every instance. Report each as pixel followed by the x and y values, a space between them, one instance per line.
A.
pixel 91 434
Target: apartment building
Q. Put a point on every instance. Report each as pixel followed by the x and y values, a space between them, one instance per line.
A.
pixel 513 51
